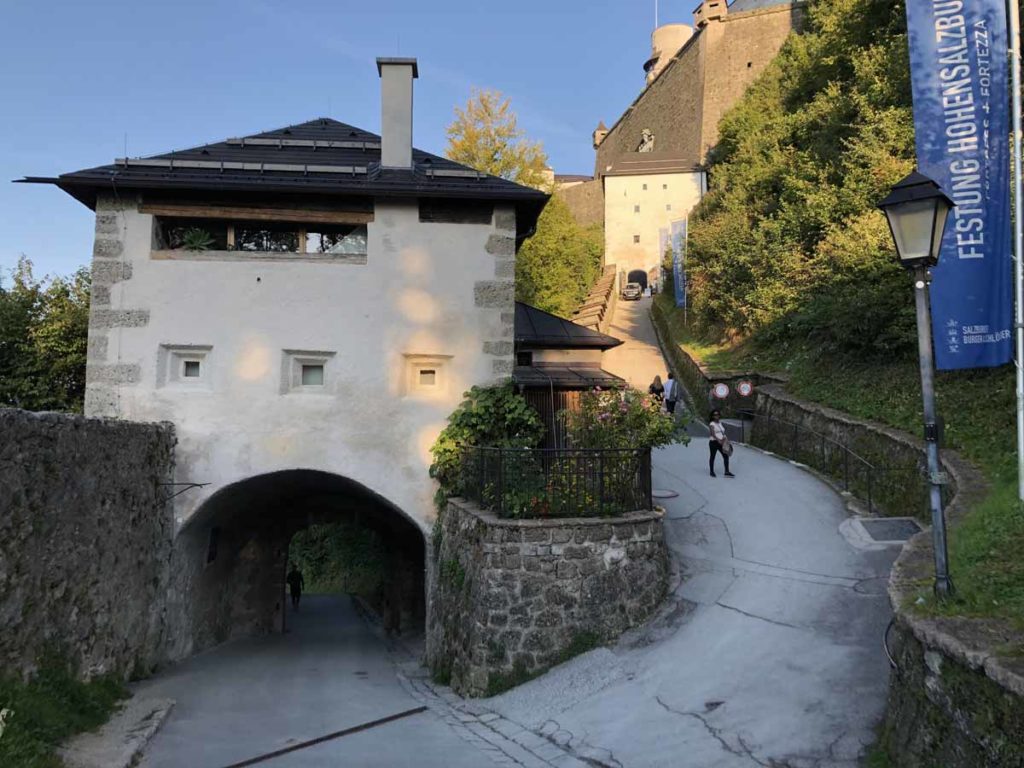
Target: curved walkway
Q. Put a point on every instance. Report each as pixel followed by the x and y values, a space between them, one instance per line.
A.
pixel 770 653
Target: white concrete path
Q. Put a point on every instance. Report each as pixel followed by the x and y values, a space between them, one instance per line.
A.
pixel 770 653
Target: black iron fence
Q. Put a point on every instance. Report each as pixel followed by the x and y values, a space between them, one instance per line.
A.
pixel 886 490
pixel 557 482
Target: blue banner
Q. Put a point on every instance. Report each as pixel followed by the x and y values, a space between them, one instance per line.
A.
pixel 959 75
pixel 678 233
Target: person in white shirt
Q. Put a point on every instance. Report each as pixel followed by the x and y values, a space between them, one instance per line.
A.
pixel 671 393
pixel 717 442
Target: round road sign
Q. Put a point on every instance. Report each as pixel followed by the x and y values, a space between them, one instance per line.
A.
pixel 745 388
pixel 720 390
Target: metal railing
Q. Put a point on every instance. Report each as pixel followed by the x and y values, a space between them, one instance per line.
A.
pixel 556 482
pixel 885 490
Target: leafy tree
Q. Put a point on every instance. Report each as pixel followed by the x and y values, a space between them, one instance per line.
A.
pixel 44 326
pixel 486 136
pixel 492 417
pixel 557 265
pixel 343 557
pixel 788 243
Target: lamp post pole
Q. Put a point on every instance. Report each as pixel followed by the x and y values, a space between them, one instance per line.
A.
pixel 1018 234
pixel 936 478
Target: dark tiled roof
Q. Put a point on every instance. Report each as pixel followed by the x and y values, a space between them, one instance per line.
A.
pixel 567 177
pixel 344 161
pixel 565 377
pixel 648 163
pixel 537 329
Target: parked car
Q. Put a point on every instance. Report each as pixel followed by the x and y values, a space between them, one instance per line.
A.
pixel 632 292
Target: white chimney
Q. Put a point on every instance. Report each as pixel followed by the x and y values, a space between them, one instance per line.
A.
pixel 396 76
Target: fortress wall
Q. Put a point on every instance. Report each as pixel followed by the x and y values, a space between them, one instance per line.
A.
pixel 684 105
pixel 85 540
pixel 585 201
pixel 738 49
pixel 671 107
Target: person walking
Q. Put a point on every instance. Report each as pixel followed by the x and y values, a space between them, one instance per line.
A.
pixel 671 393
pixel 296 584
pixel 718 443
pixel 656 390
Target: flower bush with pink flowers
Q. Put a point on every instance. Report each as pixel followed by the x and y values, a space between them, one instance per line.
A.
pixel 622 418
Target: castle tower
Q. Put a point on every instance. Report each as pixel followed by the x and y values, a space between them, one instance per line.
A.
pixel 709 10
pixel 599 133
pixel 666 41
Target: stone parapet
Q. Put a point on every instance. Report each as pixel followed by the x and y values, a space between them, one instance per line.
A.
pixel 510 598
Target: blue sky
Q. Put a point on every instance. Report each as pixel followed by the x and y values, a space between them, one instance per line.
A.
pixel 75 77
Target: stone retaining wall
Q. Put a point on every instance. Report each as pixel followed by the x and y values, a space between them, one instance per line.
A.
pixel 85 540
pixel 511 598
pixel 956 696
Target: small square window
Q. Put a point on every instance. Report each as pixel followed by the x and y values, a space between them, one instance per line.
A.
pixel 664 186
pixel 426 375
pixel 185 366
pixel 313 375
pixel 645 186
pixel 307 371
pixel 636 209
pixel 636 238
pixel 668 206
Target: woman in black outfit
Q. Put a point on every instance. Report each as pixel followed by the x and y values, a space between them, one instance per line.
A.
pixel 717 442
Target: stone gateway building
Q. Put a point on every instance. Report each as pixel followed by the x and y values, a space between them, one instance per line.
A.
pixel 307 306
pixel 649 164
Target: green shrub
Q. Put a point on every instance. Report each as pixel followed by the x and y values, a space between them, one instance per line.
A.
pixel 561 261
pixel 50 707
pixel 621 418
pixel 787 244
pixel 488 417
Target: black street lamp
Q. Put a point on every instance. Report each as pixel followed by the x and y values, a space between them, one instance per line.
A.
pixel 917 209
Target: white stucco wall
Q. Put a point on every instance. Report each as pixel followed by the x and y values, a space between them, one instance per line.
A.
pixel 622 222
pixel 567 356
pixel 442 290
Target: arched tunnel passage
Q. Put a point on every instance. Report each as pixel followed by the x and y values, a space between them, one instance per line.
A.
pixel 233 552
pixel 638 276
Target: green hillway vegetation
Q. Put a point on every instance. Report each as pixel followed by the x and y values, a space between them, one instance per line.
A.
pixel 791 269
pixel 50 706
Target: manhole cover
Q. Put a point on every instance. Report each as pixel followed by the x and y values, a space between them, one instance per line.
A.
pixel 663 494
pixel 891 529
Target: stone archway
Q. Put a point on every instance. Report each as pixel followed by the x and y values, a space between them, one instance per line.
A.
pixel 230 556
pixel 638 276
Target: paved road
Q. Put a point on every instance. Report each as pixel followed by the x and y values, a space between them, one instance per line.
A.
pixel 770 653
pixel 331 672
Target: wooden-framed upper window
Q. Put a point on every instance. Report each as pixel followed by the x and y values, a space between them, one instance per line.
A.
pixel 192 234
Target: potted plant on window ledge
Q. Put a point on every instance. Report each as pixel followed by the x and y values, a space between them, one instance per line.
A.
pixel 196 239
